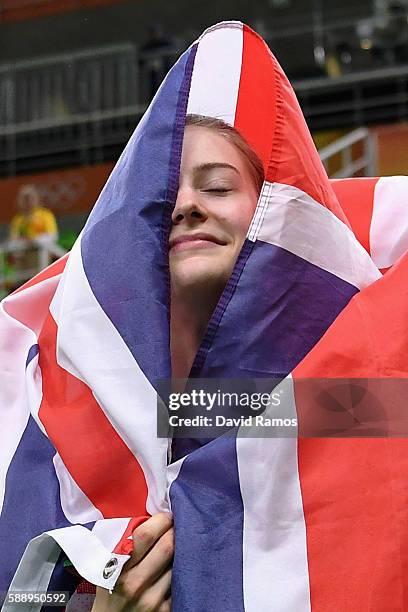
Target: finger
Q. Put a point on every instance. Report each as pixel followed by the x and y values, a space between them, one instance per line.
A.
pixel 147 534
pixel 165 606
pixel 153 565
pixel 155 595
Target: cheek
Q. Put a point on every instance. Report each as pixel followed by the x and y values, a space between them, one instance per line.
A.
pixel 241 232
pixel 241 218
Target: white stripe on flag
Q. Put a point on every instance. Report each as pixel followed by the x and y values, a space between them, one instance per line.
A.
pixel 83 548
pixel 274 544
pixel 33 385
pixel 88 554
pixel 15 342
pixel 110 531
pixel 389 222
pixel 90 348
pixel 74 503
pixel 173 470
pixel 21 318
pixel 216 73
pixel 289 218
pixel 30 305
pixel 34 571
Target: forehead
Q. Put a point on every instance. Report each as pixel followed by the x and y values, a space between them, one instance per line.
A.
pixel 203 145
pixel 28 192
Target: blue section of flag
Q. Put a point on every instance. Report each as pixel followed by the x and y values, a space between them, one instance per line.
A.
pixel 295 303
pixel 125 242
pixel 205 497
pixel 31 476
pixel 209 522
pixel 33 352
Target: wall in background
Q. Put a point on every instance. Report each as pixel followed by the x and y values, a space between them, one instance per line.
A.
pixel 129 20
pixel 66 192
pixel 392 149
pixel 21 10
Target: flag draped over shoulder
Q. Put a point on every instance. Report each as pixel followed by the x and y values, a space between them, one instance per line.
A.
pixel 261 524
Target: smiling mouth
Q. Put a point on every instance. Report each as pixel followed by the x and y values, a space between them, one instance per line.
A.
pixel 199 241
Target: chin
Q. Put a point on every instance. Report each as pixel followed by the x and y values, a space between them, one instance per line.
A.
pixel 199 275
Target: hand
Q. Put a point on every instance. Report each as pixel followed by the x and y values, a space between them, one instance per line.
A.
pixel 144 583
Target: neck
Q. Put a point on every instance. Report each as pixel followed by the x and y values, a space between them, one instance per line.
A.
pixel 190 315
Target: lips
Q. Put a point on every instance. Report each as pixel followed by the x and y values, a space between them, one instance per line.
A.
pixel 198 240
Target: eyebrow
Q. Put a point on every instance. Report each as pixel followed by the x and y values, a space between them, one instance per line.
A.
pixel 213 166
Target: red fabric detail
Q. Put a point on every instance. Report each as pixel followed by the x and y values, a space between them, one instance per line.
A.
pixel 92 451
pixel 296 161
pixel 355 507
pixel 368 338
pixel 32 310
pixel 53 270
pixel 125 546
pixel 255 116
pixel 270 118
pixel 355 491
pixel 356 197
pixel 86 587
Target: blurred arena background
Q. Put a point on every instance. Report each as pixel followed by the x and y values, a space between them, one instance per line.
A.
pixel 77 75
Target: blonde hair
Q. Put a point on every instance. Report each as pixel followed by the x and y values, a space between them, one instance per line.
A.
pixel 231 134
pixel 29 191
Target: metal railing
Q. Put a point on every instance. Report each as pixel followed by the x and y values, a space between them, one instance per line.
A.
pixel 28 261
pixel 75 107
pixel 51 89
pixel 369 97
pixel 366 161
pixel 81 108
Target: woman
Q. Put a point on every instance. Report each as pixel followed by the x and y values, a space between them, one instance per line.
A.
pixel 260 522
pixel 220 181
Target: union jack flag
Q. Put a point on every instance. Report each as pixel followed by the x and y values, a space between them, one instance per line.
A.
pixel 261 524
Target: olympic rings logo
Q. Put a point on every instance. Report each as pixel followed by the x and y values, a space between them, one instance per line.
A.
pixel 62 193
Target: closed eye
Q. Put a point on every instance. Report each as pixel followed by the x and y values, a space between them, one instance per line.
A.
pixel 217 190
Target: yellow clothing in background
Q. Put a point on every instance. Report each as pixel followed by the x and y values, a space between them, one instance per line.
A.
pixel 38 222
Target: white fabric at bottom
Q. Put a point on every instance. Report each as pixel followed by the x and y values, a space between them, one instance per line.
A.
pixel 276 577
pixel 83 548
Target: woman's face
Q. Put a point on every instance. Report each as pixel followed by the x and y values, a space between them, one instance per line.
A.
pixel 215 204
pixel 28 198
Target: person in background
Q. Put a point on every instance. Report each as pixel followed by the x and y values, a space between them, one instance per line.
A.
pixel 155 59
pixel 390 36
pixel 34 223
pixel 31 228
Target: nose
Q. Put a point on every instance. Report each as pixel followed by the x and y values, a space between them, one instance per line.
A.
pixel 188 208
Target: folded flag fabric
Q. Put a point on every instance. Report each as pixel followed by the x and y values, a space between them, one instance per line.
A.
pixel 261 524
pixel 376 209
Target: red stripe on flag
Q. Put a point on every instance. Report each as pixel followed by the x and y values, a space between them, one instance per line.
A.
pixel 355 491
pixel 255 115
pixel 355 509
pixel 93 452
pixel 125 545
pixel 53 270
pixel 269 117
pixel 32 308
pixel 356 197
